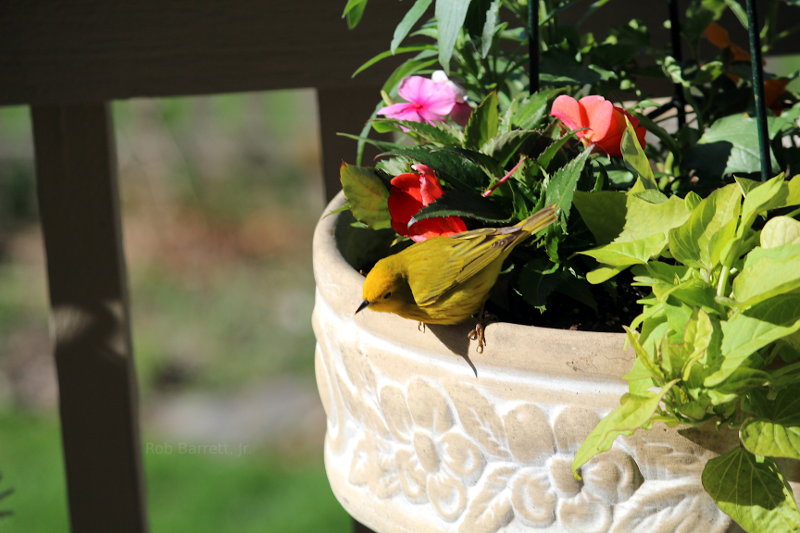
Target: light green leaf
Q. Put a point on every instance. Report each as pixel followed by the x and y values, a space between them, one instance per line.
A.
pixel 753 329
pixel 645 233
pixel 633 154
pixel 700 241
pixel 793 196
pixel 450 15
pixel 483 123
pixel 599 275
pixel 780 231
pixel 633 413
pixel 776 431
pixel 767 272
pixel 366 195
pixel 765 196
pixel 751 491
pixel 626 253
pixel 603 212
pixel 411 17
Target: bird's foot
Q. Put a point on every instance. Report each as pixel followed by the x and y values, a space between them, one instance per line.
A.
pixel 478 334
pixel 421 327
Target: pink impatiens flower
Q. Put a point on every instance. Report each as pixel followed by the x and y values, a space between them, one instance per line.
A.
pixel 409 193
pixel 429 100
pixel 604 122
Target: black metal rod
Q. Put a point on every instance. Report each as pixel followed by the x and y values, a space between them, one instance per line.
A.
pixel 757 70
pixel 533 46
pixel 677 53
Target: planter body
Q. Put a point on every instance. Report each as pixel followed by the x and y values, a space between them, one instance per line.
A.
pixel 417 443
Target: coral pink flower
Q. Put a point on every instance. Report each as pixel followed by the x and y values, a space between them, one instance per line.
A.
pixel 411 192
pixel 429 100
pixel 604 121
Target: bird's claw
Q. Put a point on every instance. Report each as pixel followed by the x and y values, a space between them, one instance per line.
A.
pixel 478 334
pixel 421 327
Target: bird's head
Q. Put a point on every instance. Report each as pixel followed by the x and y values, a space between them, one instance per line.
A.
pixel 385 288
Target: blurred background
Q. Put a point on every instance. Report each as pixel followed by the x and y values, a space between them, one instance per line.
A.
pixel 219 198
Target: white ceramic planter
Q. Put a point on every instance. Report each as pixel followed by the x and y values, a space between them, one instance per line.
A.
pixel 417 443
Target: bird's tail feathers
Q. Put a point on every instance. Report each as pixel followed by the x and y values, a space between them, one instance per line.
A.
pixel 539 220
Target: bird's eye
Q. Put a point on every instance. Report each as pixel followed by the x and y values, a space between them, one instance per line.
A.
pixel 387 295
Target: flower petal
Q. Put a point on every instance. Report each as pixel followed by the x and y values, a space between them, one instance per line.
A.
pixel 534 503
pixel 448 495
pixel 569 111
pixel 402 111
pixel 462 457
pixel 600 113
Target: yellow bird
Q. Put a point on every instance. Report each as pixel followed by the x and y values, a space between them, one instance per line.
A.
pixel 446 280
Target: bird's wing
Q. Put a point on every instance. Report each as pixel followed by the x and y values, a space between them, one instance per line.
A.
pixel 465 256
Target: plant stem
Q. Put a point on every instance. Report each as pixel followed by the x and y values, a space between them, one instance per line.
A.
pixel 723 280
pixel 491 189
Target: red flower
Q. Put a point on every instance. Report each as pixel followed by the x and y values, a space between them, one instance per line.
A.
pixel 604 121
pixel 411 192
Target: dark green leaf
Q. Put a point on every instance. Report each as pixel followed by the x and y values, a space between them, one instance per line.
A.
pixel 462 204
pixel 561 186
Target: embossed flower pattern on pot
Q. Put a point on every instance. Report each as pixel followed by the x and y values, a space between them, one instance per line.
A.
pixel 434 461
pixel 546 491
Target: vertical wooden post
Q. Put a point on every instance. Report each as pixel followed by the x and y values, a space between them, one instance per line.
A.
pixel 78 204
pixel 343 109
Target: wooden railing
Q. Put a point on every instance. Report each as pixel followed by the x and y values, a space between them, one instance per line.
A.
pixel 67 60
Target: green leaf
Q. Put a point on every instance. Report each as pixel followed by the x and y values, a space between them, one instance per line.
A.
pixel 780 231
pixel 760 199
pixel 752 491
pixel 728 146
pixel 700 241
pixel 776 432
pixel 754 328
pixel 562 185
pixel 603 212
pixel 450 164
pixel 450 15
pixel 366 195
pixel 428 132
pixel 483 123
pixel 506 145
pixel 533 108
pixel 411 17
pixel 767 272
pixel 489 28
pixel 461 204
pixel 633 154
pixel 353 11
pixel 633 413
pixel 599 275
pixel 645 233
pixel 389 53
pixel 793 196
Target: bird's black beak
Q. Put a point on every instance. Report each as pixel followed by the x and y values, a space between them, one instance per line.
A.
pixel 364 304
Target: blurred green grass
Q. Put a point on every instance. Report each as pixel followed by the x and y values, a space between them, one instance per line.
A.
pixel 219 199
pixel 256 492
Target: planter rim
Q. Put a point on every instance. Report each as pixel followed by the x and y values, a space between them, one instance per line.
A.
pixel 574 354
